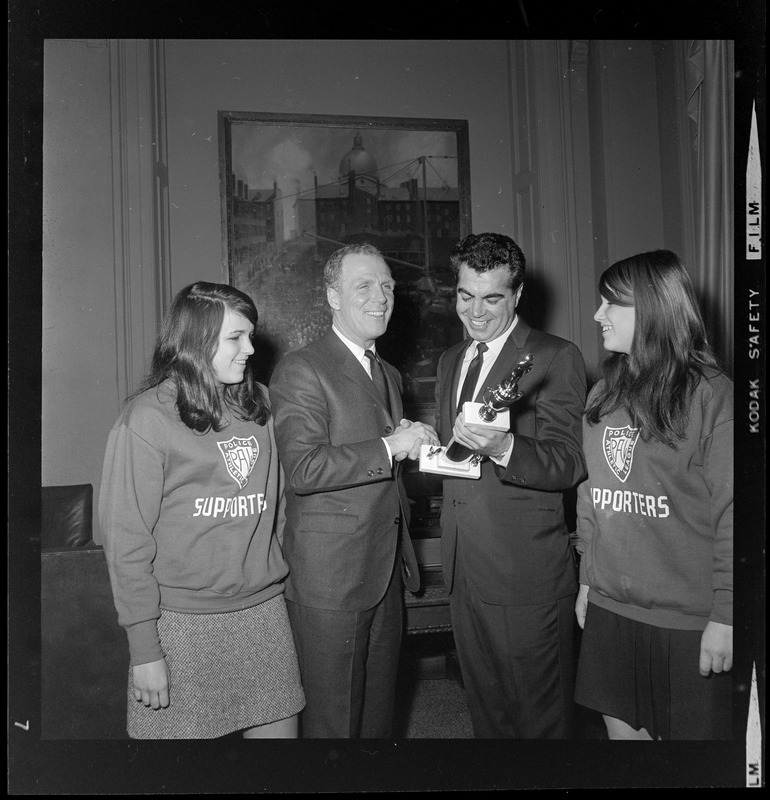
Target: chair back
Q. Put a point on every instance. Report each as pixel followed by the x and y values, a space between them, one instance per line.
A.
pixel 66 516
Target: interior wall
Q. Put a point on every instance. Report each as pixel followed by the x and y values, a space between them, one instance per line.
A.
pixel 628 182
pixel 79 391
pixel 638 186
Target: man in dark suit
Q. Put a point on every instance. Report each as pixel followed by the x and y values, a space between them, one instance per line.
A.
pixel 506 552
pixel 346 541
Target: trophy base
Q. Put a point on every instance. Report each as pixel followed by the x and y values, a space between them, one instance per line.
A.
pixel 502 422
pixel 432 459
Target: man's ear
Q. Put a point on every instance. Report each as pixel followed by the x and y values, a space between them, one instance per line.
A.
pixel 518 295
pixel 333 298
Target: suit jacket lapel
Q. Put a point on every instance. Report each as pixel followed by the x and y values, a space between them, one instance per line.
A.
pixel 353 369
pixel 394 394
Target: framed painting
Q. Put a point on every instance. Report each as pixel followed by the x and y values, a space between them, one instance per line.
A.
pixel 295 188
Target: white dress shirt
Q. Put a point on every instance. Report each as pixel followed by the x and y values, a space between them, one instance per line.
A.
pixel 495 348
pixel 358 352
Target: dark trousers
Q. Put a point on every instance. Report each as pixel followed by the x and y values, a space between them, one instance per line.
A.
pixel 517 664
pixel 348 662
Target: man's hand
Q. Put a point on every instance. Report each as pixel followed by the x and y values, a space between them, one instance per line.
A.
pixel 480 439
pixel 716 648
pixel 151 683
pixel 406 440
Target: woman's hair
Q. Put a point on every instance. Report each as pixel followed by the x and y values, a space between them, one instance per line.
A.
pixel 669 351
pixel 184 352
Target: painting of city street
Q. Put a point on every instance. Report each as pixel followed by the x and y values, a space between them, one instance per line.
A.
pixel 295 188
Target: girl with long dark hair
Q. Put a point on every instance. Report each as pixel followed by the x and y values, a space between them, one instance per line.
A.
pixel 191 512
pixel 655 516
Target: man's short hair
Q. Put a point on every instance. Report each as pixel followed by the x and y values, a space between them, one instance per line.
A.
pixel 483 252
pixel 333 268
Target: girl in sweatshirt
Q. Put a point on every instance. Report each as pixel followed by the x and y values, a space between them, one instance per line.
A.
pixel 655 516
pixel 191 512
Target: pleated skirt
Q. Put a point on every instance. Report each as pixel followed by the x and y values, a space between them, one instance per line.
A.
pixel 648 677
pixel 227 672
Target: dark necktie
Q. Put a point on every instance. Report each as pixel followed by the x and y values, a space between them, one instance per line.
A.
pixel 471 379
pixel 378 377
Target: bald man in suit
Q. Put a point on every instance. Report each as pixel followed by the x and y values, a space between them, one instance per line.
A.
pixel 506 553
pixel 341 438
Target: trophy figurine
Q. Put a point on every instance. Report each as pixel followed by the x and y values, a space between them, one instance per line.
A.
pixel 455 458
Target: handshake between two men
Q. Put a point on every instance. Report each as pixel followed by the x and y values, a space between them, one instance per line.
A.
pixel 409 437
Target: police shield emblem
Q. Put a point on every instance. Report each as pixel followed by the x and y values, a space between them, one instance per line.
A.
pixel 619 446
pixel 240 455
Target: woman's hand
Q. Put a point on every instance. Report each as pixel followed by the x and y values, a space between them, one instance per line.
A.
pixel 716 648
pixel 581 604
pixel 151 683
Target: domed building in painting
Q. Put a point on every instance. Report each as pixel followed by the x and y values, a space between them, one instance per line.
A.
pixel 360 165
pixel 398 219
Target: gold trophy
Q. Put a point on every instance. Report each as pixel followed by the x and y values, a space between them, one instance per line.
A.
pixel 456 459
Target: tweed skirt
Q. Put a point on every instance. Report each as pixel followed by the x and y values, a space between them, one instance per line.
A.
pixel 648 677
pixel 227 672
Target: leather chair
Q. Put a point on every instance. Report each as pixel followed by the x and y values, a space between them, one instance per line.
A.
pixel 66 516
pixel 84 652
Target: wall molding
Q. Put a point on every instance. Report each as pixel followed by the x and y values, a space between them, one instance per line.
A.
pixel 140 202
pixel 552 180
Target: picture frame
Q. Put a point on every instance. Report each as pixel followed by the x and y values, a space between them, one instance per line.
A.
pixel 296 187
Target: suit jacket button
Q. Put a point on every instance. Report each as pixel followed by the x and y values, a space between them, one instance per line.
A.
pixel 388 429
pixel 370 473
pixel 397 521
pixel 379 470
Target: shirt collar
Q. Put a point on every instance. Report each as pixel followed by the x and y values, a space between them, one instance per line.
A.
pixel 495 345
pixel 354 348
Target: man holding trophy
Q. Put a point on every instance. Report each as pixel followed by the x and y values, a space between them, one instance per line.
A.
pixel 509 404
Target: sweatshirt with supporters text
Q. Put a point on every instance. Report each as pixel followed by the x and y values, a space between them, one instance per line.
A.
pixel 655 525
pixel 191 522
